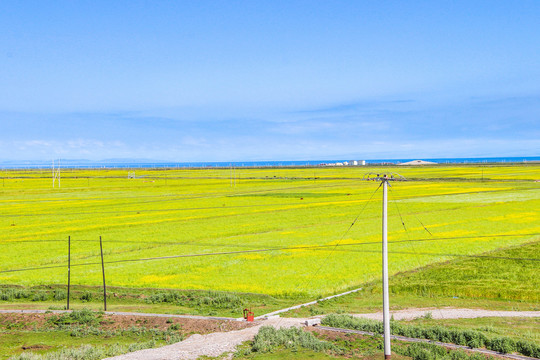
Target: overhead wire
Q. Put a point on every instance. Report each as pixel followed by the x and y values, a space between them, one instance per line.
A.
pixel 488 257
pixel 305 247
pixel 179 242
pixel 172 197
pixel 411 244
pixel 176 209
pixel 323 263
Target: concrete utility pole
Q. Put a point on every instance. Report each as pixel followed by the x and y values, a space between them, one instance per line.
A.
pixel 386 303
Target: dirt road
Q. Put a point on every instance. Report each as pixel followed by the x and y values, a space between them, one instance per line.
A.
pixel 219 343
pixel 449 313
pixel 213 344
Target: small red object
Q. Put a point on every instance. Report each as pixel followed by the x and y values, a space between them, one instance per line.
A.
pixel 249 315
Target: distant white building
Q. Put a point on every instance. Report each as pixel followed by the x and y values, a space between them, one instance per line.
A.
pixel 355 163
pixel 345 163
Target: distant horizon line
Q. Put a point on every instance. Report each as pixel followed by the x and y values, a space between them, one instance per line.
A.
pixel 137 162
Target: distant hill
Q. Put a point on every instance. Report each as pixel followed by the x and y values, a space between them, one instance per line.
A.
pixel 418 162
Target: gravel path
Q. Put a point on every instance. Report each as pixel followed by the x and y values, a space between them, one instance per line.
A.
pixel 219 343
pixel 210 345
pixel 449 313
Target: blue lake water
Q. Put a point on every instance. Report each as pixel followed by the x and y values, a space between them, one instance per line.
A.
pixel 158 164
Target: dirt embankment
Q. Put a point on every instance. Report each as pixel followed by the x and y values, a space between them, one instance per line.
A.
pixel 118 322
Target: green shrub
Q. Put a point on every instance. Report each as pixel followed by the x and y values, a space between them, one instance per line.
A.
pixel 213 299
pixel 423 351
pixel 86 297
pixel 6 295
pixel 163 297
pixel 79 317
pixel 20 294
pixel 86 352
pixel 268 339
pixel 40 296
pixel 475 339
pixel 528 348
pixel 503 345
pixel 420 351
pixel 221 300
pixel 10 294
pixel 470 338
pixel 59 294
pixel 349 322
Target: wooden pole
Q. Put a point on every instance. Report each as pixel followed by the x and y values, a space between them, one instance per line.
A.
pixel 69 270
pixel 103 271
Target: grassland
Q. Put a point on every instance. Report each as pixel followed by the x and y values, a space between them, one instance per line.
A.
pixel 462 282
pixel 200 211
pixel 505 279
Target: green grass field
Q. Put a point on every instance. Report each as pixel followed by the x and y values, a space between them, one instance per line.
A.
pixel 200 211
pixel 505 279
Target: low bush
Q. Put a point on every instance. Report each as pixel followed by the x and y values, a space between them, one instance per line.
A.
pixel 349 322
pixel 86 352
pixel 78 317
pixel 420 351
pixel 11 294
pixel 269 339
pixel 86 297
pixel 213 299
pixel 165 297
pixel 59 294
pixel 221 300
pixel 470 338
pixel 502 344
pixel 528 348
pixel 40 296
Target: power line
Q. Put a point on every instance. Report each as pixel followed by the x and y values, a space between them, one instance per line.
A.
pixel 412 244
pixel 181 197
pixel 212 207
pixel 489 257
pixel 178 209
pixel 178 242
pixel 306 247
pixel 346 232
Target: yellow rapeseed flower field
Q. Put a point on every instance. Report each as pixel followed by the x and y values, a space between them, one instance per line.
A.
pixel 170 214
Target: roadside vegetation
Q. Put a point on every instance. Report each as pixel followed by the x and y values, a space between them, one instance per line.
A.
pixel 517 328
pixel 171 301
pixel 82 332
pixel 85 334
pixel 467 337
pixel 316 343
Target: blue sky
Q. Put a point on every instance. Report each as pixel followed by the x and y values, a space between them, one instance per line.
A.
pixel 274 80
